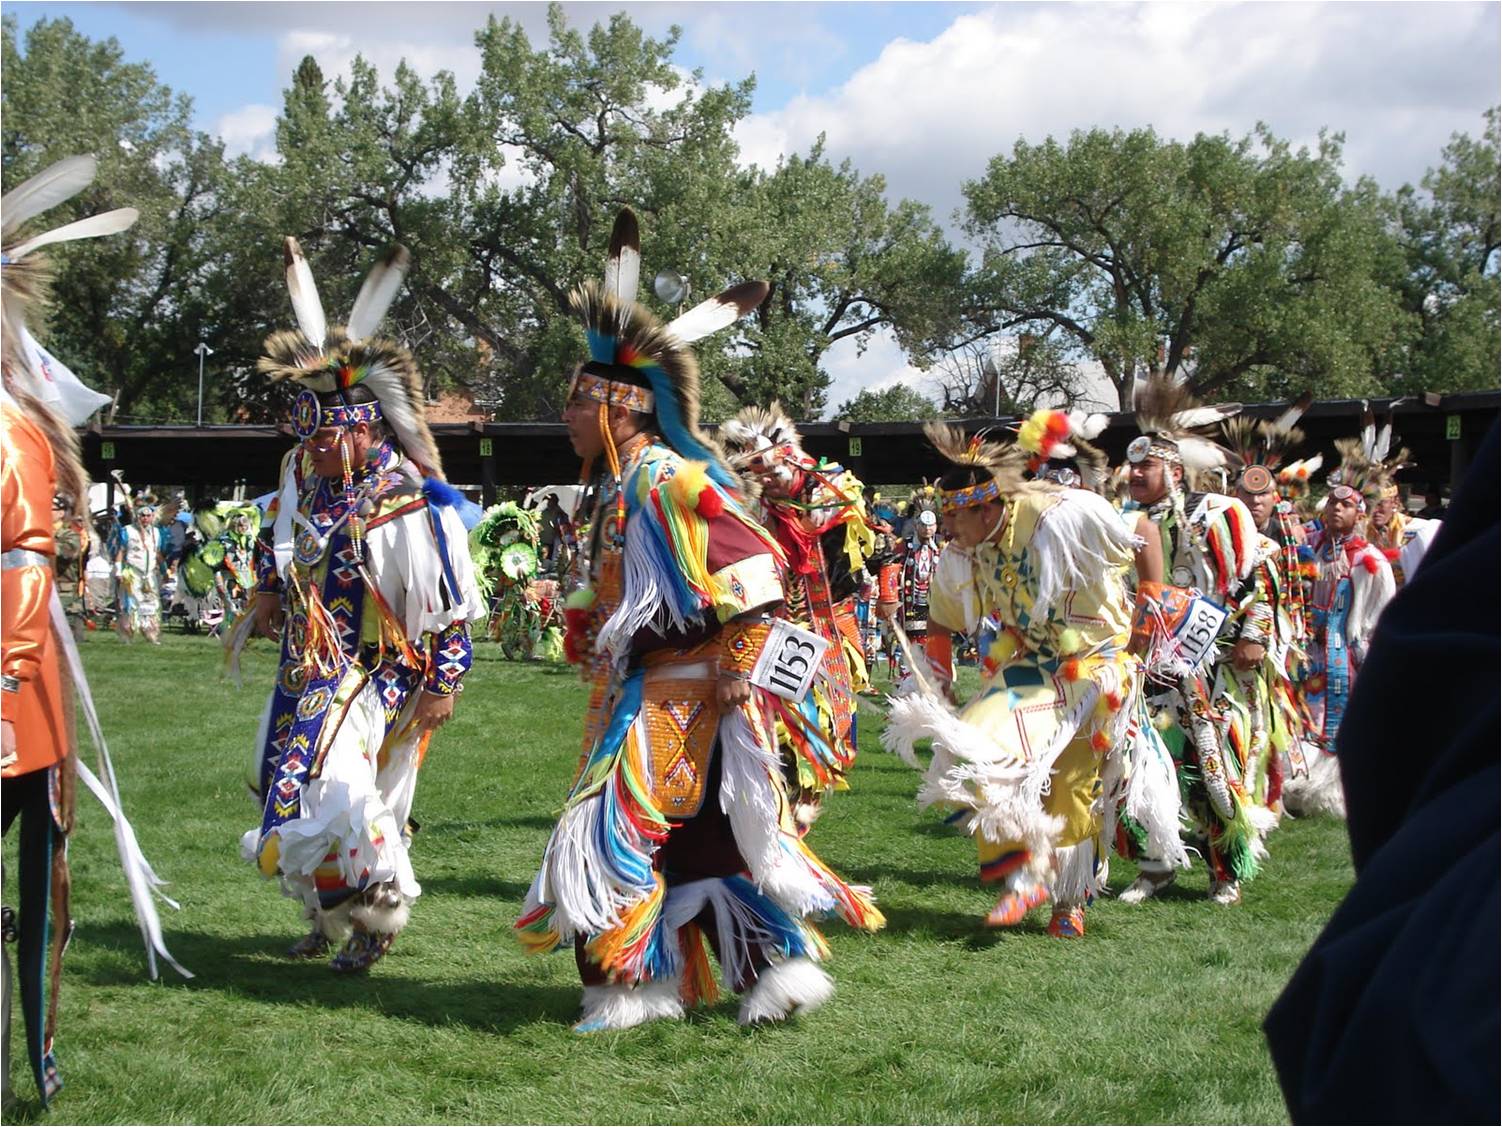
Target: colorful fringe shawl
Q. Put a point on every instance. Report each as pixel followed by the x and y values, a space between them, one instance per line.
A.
pixel 668 582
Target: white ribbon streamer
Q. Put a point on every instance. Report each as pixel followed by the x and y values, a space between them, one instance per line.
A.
pixel 139 875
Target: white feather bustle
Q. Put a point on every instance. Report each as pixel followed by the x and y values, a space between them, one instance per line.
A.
pixel 784 989
pixel 1320 792
pixel 619 1006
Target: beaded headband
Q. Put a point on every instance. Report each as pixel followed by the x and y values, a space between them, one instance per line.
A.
pixel 309 416
pixel 970 496
pixel 1145 446
pixel 614 394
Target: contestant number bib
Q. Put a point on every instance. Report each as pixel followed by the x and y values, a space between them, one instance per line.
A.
pixel 1196 633
pixel 788 661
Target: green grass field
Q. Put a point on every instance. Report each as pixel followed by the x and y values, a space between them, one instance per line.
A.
pixel 1154 1017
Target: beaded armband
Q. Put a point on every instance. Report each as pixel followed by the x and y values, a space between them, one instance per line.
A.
pixel 740 646
pixel 449 660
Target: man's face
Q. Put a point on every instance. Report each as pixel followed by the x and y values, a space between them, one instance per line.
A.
pixel 326 444
pixel 923 531
pixel 1383 510
pixel 1149 480
pixel 1341 514
pixel 968 527
pixel 1260 504
pixel 582 417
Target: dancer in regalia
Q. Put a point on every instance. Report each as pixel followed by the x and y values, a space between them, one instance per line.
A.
pixel 1022 762
pixel 817 513
pixel 41 677
pixel 1403 539
pixel 364 572
pixel 678 834
pixel 1211 551
pixel 1353 583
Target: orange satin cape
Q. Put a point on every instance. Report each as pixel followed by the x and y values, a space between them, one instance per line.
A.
pixel 28 650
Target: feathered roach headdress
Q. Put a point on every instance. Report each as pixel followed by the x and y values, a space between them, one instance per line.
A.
pixel 995 470
pixel 327 360
pixel 1059 448
pixel 760 438
pixel 1367 462
pixel 1175 427
pixel 1263 446
pixel 51 395
pixel 763 445
pixel 635 361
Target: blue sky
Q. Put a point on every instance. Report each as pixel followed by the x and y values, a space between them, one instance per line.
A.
pixel 923 93
pixel 191 45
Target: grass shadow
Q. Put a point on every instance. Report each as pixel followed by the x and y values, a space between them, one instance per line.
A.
pixel 521 821
pixel 253 967
pixel 479 885
pixel 919 878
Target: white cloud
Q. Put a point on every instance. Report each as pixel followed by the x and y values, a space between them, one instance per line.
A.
pixel 336 51
pixel 249 131
pixel 1397 79
pixel 882 365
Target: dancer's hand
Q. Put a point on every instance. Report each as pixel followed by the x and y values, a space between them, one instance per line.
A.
pixel 434 710
pixel 731 692
pixel 8 739
pixel 268 620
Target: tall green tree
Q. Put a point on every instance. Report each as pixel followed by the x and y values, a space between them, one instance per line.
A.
pixel 128 309
pixel 1451 229
pixel 1244 265
pixel 896 404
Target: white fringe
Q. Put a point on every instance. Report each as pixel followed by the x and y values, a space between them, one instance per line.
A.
pixel 1152 797
pixel 796 986
pixel 1078 542
pixel 1320 792
pixel 741 930
pixel 618 1006
pixel 402 557
pixel 574 880
pixel 644 601
pixel 1003 793
pixel 1079 874
pixel 752 797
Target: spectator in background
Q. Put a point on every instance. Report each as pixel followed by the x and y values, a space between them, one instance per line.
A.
pixel 554 529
